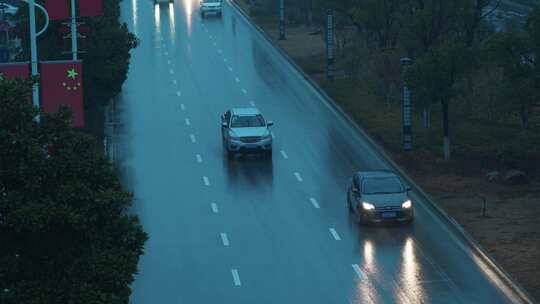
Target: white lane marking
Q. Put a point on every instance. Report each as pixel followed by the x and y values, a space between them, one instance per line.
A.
pixel 183 107
pixel 199 158
pixel 215 44
pixel 188 123
pixel 220 51
pixel 298 176
pixel 214 207
pixel 244 91
pixel 206 30
pixel 168 62
pixel 314 203
pixel 178 93
pixel 192 137
pixel 206 181
pixel 166 53
pixel 224 239
pixel 236 79
pixel 335 234
pixel 358 271
pixel 211 37
pixel 171 71
pixel 284 154
pixel 230 69
pixel 252 103
pixel 236 277
pixel 174 81
pixel 225 60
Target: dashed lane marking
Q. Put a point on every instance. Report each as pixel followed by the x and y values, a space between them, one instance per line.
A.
pixel 236 277
pixel 284 154
pixel 188 122
pixel 298 177
pixel 335 234
pixel 206 180
pixel 182 107
pixel 199 158
pixel 358 271
pixel 244 91
pixel 214 207
pixel 252 103
pixel 224 239
pixel 178 93
pixel 314 203
pixel 192 137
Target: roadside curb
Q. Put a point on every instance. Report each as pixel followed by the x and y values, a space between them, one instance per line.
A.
pixel 458 229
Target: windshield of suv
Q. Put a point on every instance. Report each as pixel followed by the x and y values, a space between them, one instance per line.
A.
pixel 247 121
pixel 211 1
pixel 381 185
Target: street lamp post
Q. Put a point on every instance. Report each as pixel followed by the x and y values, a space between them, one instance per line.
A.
pixel 33 52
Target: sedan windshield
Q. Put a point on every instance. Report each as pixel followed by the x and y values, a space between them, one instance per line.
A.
pixel 247 121
pixel 381 185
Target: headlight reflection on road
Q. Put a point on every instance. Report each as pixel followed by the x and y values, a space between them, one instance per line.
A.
pixel 134 16
pixel 172 22
pixel 366 292
pixel 157 18
pixel 188 8
pixel 410 280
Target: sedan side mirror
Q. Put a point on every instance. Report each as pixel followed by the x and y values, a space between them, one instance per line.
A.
pixel 270 123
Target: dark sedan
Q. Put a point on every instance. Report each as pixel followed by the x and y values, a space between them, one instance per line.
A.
pixel 379 196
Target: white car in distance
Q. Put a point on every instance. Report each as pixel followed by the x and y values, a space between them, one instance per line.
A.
pixel 210 7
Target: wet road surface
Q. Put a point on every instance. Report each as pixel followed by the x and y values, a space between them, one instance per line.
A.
pixel 251 230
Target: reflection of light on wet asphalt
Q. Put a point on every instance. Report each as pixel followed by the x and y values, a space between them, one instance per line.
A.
pixel 188 7
pixel 157 18
pixel 134 16
pixel 410 272
pixel 366 292
pixel 172 21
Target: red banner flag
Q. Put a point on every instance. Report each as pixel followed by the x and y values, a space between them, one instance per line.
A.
pixel 58 9
pixel 14 70
pixel 90 8
pixel 61 85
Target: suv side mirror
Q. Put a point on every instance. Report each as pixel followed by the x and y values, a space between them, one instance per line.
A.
pixel 224 124
pixel 270 123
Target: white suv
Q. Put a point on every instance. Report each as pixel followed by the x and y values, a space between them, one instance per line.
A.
pixel 210 6
pixel 245 130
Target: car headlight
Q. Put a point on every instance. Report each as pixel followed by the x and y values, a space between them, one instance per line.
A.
pixel 406 204
pixel 367 206
pixel 266 137
pixel 232 136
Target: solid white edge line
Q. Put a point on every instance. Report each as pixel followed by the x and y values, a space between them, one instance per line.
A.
pixel 206 181
pixel 236 277
pixel 358 271
pixel 314 203
pixel 192 137
pixel 298 176
pixel 224 239
pixel 335 234
pixel 214 207
pixel 284 154
pixel 199 158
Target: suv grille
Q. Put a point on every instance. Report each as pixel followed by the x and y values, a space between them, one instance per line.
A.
pixel 250 139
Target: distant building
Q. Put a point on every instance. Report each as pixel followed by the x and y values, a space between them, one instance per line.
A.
pixel 10 45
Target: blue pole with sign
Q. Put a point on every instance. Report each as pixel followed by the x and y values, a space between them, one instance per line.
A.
pixel 330 44
pixel 282 20
pixel 406 110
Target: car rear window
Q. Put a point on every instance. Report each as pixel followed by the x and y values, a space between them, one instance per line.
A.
pixel 381 185
pixel 246 121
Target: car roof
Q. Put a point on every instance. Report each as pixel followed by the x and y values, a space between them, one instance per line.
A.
pixel 376 174
pixel 245 111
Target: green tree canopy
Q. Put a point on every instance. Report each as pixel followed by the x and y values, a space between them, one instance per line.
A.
pixel 64 228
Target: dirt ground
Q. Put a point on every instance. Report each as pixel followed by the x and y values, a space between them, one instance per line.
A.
pixel 510 232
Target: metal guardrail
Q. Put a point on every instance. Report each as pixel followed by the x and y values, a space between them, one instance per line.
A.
pixel 460 232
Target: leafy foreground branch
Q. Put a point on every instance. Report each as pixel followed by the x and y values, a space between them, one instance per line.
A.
pixel 65 233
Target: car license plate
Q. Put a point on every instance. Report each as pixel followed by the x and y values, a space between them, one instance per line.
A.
pixel 387 215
